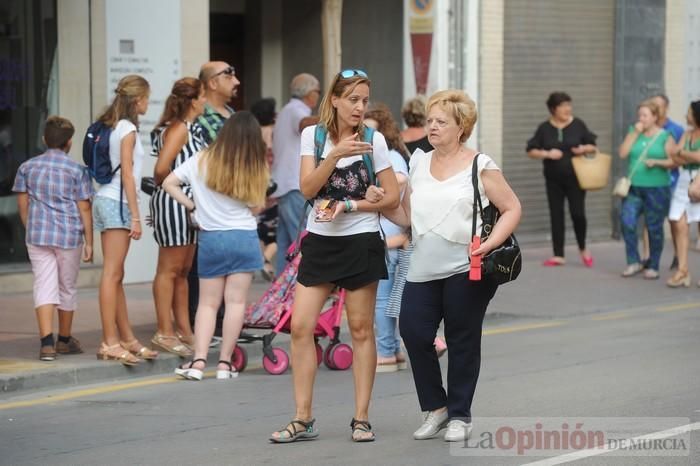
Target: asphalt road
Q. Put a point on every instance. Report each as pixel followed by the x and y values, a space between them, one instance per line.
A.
pixel 636 364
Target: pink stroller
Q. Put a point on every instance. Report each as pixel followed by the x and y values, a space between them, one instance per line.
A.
pixel 274 311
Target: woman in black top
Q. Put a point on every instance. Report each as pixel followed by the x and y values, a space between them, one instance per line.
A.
pixel 555 142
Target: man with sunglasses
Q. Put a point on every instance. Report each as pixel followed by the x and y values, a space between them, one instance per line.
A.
pixel 286 142
pixel 220 84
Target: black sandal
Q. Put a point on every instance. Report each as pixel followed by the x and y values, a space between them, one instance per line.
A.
pixel 308 433
pixel 361 426
pixel 190 372
pixel 231 373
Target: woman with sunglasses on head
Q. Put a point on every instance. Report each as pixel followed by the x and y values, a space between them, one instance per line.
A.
pixel 343 247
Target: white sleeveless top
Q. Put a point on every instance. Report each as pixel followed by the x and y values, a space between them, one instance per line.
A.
pixel 441 218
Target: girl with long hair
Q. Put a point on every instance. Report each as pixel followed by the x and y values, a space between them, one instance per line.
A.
pixel 116 215
pixel 228 180
pixel 175 139
pixel 343 247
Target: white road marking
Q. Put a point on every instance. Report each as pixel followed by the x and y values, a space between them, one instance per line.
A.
pixel 582 454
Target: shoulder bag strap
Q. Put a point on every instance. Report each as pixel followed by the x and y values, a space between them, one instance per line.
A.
pixel 477 206
pixel 644 155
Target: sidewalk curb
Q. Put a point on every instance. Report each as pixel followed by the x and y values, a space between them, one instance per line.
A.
pixel 65 374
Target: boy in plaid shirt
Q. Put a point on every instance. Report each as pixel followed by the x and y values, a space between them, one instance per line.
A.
pixel 53 196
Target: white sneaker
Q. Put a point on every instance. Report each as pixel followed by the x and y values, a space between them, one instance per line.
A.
pixel 434 423
pixel 458 431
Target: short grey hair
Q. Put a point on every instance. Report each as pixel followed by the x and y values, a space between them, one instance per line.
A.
pixel 302 84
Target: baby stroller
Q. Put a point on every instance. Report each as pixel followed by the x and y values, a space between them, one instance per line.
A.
pixel 274 311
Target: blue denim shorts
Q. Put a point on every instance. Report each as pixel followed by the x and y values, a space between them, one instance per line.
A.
pixel 106 216
pixel 222 253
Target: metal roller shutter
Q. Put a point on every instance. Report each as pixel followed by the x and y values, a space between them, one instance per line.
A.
pixel 565 45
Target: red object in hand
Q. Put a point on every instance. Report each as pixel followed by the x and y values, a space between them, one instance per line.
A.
pixel 475 269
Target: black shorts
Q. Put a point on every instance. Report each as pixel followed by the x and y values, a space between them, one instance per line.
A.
pixel 349 262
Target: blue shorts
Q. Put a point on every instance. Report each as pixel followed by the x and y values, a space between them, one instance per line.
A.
pixel 222 253
pixel 106 216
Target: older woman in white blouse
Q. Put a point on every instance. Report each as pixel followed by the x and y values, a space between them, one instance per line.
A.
pixel 439 211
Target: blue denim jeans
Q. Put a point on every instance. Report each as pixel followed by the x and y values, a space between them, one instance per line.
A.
pixel 290 210
pixel 387 335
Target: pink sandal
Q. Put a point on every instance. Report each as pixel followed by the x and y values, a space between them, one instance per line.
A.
pixel 551 262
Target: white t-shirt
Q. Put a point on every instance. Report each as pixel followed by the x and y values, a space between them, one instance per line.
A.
pixel 399 165
pixel 215 211
pixel 351 223
pixel 112 190
pixel 441 218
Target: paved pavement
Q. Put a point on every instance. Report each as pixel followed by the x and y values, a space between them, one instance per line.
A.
pixel 541 296
pixel 612 352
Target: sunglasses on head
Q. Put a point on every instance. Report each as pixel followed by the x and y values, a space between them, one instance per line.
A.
pixel 346 74
pixel 228 71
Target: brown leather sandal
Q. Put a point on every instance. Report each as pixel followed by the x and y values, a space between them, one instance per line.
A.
pixel 116 353
pixel 137 349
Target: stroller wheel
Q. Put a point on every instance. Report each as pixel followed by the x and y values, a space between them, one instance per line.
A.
pixel 239 358
pixel 327 357
pixel 279 367
pixel 319 354
pixel 340 356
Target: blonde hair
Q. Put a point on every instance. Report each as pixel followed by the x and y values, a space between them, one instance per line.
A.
pixel 130 89
pixel 652 106
pixel 458 104
pixel 235 162
pixel 340 87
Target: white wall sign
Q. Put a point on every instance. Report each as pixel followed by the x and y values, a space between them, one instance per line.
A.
pixel 143 37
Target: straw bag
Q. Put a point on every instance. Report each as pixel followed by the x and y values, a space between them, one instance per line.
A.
pixel 592 170
pixel 694 189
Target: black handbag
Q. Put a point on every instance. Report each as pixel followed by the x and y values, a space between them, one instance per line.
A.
pixel 148 185
pixel 504 263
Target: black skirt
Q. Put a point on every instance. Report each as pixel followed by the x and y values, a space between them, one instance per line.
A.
pixel 349 262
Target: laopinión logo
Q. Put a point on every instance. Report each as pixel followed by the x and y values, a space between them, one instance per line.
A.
pixel 559 436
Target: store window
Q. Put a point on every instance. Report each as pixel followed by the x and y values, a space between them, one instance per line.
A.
pixel 28 94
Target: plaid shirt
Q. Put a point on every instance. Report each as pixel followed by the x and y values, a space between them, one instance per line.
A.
pixel 211 122
pixel 55 183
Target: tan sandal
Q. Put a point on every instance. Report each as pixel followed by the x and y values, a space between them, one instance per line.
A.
pixel 171 344
pixel 116 353
pixel 137 349
pixel 187 341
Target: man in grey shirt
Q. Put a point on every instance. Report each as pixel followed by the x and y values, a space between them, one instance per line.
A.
pixel 286 139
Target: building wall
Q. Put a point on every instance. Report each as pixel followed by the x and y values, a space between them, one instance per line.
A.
pixel 82 94
pixel 555 45
pixel 491 79
pixel 674 52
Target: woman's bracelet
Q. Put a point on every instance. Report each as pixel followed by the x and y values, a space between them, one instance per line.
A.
pixel 350 206
pixel 135 219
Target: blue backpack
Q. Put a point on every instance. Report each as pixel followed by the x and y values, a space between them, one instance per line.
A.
pixel 96 153
pixel 320 136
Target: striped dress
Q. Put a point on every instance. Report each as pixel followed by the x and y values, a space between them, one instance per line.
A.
pixel 169 216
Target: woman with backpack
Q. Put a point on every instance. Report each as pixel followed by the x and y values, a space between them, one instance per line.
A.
pixel 175 139
pixel 116 216
pixel 339 161
pixel 228 180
